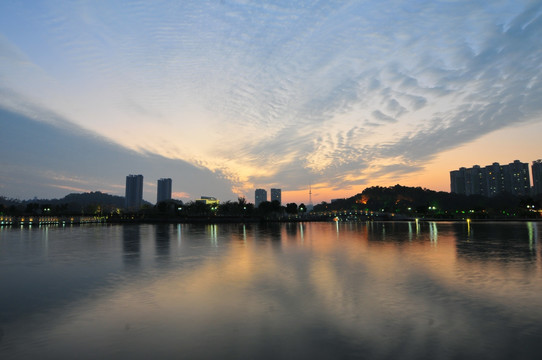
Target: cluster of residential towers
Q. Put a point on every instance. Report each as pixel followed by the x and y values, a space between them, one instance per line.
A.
pixel 260 196
pixel 134 193
pixel 493 179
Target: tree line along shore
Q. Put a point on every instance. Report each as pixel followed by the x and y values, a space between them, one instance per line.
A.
pixel 374 203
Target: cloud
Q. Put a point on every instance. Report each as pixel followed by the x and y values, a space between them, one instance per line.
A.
pixel 71 188
pixel 396 170
pixel 395 107
pixel 180 195
pixel 10 52
pixel 267 94
pixel 44 154
pixel 508 81
pixel 379 115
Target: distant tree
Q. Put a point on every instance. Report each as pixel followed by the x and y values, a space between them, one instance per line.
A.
pixel 302 208
pixel 275 206
pixel 265 208
pixel 323 206
pixel 92 209
pixel 248 209
pixel 32 208
pixel 197 208
pixel 46 208
pixel 291 208
pixel 14 210
pixel 60 209
pixel 233 208
pixel 241 201
pixel 270 210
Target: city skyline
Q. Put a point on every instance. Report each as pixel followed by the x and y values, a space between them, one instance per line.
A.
pixel 226 97
pixel 491 180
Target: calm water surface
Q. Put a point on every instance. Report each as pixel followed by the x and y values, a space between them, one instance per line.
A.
pixel 315 290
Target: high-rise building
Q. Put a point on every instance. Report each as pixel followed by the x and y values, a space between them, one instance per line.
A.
pixel 475 181
pixel 494 174
pixel 134 191
pixel 491 179
pixel 457 181
pixel 469 181
pixel 163 192
pixel 260 195
pixel 310 206
pixel 517 179
pixel 536 169
pixel 276 194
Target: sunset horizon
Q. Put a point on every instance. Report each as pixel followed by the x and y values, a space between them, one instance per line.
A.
pixel 226 97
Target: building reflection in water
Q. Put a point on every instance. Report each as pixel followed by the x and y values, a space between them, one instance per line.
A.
pixel 131 244
pixel 162 241
pixel 353 290
pixel 291 230
pixel 179 235
pixel 505 244
pixel 533 235
pixel 275 231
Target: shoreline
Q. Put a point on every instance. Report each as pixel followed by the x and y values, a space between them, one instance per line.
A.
pixel 26 221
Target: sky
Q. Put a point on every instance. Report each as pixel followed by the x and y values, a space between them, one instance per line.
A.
pixel 228 96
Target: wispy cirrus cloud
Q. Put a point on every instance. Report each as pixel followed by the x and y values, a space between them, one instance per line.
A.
pixel 336 93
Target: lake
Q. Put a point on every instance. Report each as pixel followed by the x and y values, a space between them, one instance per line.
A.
pixel 374 290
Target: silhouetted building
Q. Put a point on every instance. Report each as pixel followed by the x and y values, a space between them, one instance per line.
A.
pixel 134 191
pixel 536 169
pixel 163 192
pixel 517 179
pixel 209 200
pixel 260 195
pixel 491 179
pixel 475 181
pixel 457 181
pixel 276 194
pixel 495 179
pixel 469 181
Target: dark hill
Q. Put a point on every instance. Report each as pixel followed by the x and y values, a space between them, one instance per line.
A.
pixel 417 201
pixel 87 203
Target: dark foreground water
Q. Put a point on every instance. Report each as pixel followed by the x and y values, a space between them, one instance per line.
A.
pixel 286 291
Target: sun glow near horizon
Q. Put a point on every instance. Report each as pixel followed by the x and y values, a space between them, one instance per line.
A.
pixel 344 95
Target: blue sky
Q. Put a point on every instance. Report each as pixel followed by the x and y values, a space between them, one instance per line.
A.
pixel 228 96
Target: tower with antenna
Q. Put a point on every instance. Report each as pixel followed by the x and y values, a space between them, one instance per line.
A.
pixel 310 206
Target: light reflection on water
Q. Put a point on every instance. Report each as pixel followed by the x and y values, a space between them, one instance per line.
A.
pixel 409 290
